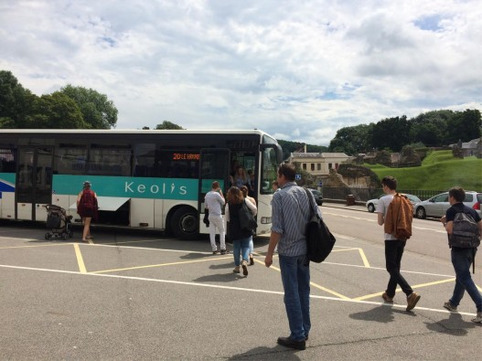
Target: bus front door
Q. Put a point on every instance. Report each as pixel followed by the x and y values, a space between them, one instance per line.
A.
pixel 34 183
pixel 215 165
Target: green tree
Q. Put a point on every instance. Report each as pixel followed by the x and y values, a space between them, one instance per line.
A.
pixel 464 126
pixel 391 133
pixel 353 140
pixel 56 111
pixel 428 133
pixel 168 125
pixel 15 102
pixel 290 147
pixel 97 110
pixel 316 148
pixel 307 179
pixel 430 128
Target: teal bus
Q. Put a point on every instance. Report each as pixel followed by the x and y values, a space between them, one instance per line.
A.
pixel 152 179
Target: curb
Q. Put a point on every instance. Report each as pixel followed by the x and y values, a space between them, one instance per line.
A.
pixel 356 207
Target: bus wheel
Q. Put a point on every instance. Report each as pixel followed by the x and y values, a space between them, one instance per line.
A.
pixel 184 223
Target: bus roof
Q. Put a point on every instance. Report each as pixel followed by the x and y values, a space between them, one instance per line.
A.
pixel 133 131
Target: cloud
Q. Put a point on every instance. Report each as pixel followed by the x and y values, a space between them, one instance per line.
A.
pixel 299 71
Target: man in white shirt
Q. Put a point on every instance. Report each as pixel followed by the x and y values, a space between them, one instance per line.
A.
pixel 393 249
pixel 214 201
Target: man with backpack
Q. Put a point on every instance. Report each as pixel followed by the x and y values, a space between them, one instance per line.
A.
pixel 464 229
pixel 395 213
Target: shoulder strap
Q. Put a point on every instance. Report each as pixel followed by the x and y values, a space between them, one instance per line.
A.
pixel 311 200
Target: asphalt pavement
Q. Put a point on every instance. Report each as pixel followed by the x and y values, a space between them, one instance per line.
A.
pixel 143 296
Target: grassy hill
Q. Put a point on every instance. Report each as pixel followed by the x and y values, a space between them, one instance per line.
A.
pixel 439 171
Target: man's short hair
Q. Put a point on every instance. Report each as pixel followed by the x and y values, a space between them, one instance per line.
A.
pixel 215 185
pixel 458 193
pixel 390 182
pixel 288 171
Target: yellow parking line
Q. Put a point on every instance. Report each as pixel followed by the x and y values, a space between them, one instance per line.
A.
pixel 364 258
pixel 334 293
pixel 434 283
pixel 80 259
pixel 159 265
pixel 330 291
pixel 360 251
pixel 344 249
pixel 378 294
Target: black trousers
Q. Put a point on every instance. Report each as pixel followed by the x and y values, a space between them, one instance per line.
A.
pixel 393 259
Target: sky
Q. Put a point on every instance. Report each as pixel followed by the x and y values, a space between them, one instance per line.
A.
pixel 299 70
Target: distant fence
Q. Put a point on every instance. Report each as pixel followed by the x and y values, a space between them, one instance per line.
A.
pixel 364 194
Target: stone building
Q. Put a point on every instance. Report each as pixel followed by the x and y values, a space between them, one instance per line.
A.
pixel 473 147
pixel 318 164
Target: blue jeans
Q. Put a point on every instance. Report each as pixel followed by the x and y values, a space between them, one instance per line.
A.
pixel 295 275
pixel 462 258
pixel 240 245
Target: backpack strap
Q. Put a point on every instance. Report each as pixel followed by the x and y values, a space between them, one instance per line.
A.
pixel 474 251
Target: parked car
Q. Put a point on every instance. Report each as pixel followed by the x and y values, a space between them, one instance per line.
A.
pixel 317 195
pixel 372 203
pixel 438 204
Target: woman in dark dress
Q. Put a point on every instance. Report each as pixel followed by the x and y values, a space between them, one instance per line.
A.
pixel 87 209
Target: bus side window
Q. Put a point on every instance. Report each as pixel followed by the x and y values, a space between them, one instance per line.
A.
pixel 7 160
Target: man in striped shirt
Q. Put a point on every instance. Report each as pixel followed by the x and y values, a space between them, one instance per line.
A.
pixel 290 215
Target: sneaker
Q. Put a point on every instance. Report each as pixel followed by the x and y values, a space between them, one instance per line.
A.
pixel 448 305
pixel 251 260
pixel 223 251
pixel 412 301
pixel 215 252
pixel 386 298
pixel 245 267
pixel 478 318
pixel 236 269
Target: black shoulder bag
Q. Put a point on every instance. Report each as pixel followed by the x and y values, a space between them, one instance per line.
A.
pixel 319 239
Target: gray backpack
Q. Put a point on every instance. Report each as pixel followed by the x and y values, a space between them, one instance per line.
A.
pixel 465 232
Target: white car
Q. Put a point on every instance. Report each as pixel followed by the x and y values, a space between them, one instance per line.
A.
pixel 372 203
pixel 438 205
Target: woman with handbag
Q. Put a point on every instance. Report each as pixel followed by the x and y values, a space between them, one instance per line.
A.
pixel 240 224
pixel 245 191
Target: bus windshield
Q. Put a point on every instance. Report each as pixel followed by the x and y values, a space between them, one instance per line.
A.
pixel 269 168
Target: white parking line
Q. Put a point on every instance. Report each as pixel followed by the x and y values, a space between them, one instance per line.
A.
pixel 279 293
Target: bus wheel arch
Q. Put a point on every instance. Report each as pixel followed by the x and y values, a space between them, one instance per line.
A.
pixel 183 222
